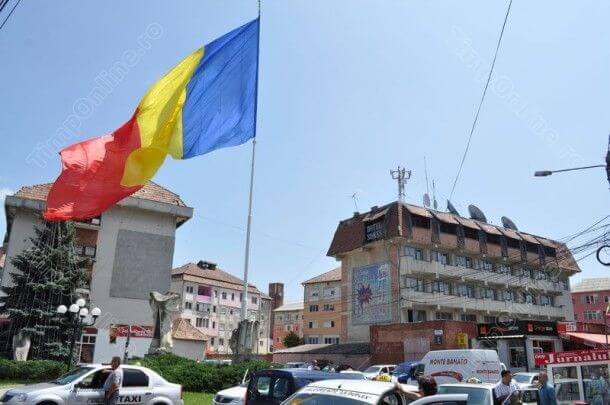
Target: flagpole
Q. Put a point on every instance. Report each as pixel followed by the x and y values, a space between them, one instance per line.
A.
pixel 244 303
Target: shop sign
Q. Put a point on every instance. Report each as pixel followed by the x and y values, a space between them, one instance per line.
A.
pixel 137 331
pixel 374 230
pixel 462 340
pixel 517 328
pixel 577 356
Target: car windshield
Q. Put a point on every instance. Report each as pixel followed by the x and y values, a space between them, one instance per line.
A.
pixel 72 375
pixel 522 378
pixel 402 369
pixel 372 369
pixel 476 395
pixel 321 399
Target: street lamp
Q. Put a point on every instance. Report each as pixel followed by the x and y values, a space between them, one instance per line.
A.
pixel 76 317
pixel 544 173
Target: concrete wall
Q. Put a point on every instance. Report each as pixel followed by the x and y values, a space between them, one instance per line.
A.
pixel 22 229
pixel 104 350
pixel 191 349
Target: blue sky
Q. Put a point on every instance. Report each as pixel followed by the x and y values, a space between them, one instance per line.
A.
pixel 348 90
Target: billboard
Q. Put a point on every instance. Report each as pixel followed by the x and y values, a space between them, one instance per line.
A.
pixel 371 294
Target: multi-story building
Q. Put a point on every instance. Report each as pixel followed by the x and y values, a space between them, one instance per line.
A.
pixel 590 298
pixel 287 318
pixel 211 300
pixel 131 246
pixel 322 308
pixel 404 263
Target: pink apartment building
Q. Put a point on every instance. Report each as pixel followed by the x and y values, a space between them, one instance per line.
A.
pixel 590 299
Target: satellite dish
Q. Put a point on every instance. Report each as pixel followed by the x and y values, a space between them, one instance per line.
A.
pixel 426 200
pixel 452 209
pixel 476 213
pixel 507 223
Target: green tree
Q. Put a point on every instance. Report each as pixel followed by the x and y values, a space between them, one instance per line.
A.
pixel 48 274
pixel 292 340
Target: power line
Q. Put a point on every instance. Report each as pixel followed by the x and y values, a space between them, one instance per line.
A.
pixel 9 14
pixel 476 117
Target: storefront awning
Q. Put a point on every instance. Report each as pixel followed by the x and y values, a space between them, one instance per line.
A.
pixel 590 339
pixel 496 337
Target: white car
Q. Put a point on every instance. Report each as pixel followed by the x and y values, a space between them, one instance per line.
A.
pixel 524 380
pixel 378 369
pixel 347 392
pixel 233 396
pixel 84 385
pixel 483 394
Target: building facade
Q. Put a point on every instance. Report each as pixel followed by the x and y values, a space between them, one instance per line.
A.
pixel 287 318
pixel 211 300
pixel 131 246
pixel 402 263
pixel 322 308
pixel 590 298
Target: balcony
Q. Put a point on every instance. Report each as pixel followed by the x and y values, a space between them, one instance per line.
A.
pixel 410 266
pixel 451 302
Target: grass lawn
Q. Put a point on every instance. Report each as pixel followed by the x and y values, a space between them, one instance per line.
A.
pixel 192 398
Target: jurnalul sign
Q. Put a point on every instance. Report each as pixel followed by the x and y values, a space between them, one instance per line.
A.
pixel 371 294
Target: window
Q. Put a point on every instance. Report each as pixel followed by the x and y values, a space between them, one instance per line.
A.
pixel 503 268
pixel 223 310
pixel 490 319
pixel 213 324
pixel 212 341
pixel 89 251
pixel 224 295
pixel 313 340
pixel 288 328
pixel 490 293
pixel 331 340
pixel 232 296
pixel 188 305
pixel 420 316
pixel 463 261
pixel 329 324
pixel 465 290
pixel 313 308
pixel 468 317
pixel 544 300
pixel 416 254
pixel 230 312
pixel 441 287
pixel 310 325
pixel 444 316
pixel 487 266
pixel 199 322
pixel 134 378
pixel 215 293
pixel 592 315
pixel 329 307
pixel 189 289
pixel 221 342
pixel 254 300
pixel 591 299
pixel 214 308
pixel 509 295
pixel 314 294
pixel 440 257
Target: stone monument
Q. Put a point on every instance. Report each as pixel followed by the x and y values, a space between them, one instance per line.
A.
pixel 165 307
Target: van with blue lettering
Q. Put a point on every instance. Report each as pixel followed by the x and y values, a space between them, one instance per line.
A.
pixel 456 366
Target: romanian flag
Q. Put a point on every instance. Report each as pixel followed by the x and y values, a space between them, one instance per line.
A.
pixel 206 102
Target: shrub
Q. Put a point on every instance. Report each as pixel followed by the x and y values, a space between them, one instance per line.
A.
pixel 199 377
pixel 38 370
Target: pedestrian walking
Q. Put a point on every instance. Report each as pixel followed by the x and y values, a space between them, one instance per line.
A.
pixel 113 382
pixel 546 392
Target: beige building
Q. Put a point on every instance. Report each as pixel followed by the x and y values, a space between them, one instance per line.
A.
pixel 322 308
pixel 405 263
pixel 211 300
pixel 287 318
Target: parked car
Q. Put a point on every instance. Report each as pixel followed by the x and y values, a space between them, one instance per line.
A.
pixel 378 369
pixel 234 395
pixel 407 372
pixel 297 364
pixel 454 366
pixel 84 385
pixel 348 392
pixel 524 379
pixel 483 394
pixel 275 385
pixel 443 399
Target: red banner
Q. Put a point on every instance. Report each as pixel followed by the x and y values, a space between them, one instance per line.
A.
pixel 137 331
pixel 577 356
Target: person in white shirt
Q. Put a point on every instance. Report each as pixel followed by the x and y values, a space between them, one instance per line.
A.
pixel 113 382
pixel 505 387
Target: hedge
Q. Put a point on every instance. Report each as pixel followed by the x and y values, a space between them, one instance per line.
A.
pixel 199 377
pixel 37 370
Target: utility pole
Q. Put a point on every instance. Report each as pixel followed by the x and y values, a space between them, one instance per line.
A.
pixel 401 175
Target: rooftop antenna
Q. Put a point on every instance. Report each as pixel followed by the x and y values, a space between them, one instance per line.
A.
pixel 476 213
pixel 355 198
pixel 452 209
pixel 401 175
pixel 426 200
pixel 508 223
pixel 434 203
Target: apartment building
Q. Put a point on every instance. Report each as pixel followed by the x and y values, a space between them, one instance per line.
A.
pixel 590 298
pixel 131 246
pixel 287 318
pixel 404 263
pixel 211 300
pixel 322 308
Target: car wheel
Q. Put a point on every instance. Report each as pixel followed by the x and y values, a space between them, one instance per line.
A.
pixel 47 403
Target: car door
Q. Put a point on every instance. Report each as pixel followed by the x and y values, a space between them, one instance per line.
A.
pixel 90 390
pixel 136 387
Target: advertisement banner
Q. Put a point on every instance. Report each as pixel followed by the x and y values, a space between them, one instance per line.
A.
pixel 137 331
pixel 371 294
pixel 577 356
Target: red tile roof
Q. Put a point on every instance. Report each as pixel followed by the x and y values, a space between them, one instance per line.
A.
pixel 151 191
pixel 183 330
pixel 210 276
pixel 333 275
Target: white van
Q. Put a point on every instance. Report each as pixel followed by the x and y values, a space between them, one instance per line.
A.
pixel 455 366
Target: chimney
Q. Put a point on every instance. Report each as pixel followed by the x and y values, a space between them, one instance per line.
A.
pixel 205 265
pixel 356 213
pixel 276 292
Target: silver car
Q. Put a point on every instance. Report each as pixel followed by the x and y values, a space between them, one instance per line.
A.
pixel 83 385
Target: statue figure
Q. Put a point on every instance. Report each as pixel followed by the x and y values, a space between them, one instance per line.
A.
pixel 21 346
pixel 243 342
pixel 165 307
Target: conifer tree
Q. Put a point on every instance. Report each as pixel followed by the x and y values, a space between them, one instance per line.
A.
pixel 48 274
